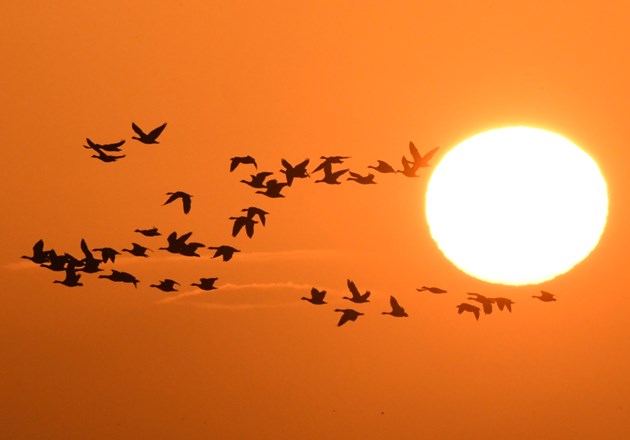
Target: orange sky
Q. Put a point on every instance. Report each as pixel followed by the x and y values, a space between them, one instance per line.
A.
pixel 295 81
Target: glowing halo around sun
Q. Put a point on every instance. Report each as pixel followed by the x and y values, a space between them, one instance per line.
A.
pixel 516 205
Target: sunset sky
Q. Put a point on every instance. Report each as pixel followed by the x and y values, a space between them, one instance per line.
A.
pixel 297 80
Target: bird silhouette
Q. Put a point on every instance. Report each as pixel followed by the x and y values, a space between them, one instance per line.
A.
pixel 294 172
pixel 243 221
pixel 223 251
pixel 436 290
pixel 137 250
pixel 107 254
pixel 121 277
pixel 39 254
pixel 176 244
pixel 104 157
pixel 56 262
pixel 153 232
pixel 71 279
pixel 89 263
pixel 503 303
pixel 465 307
pixel 348 315
pixel 545 296
pixel 332 178
pixel 485 301
pixel 185 197
pixel 410 167
pixel 238 160
pixel 273 188
pixel 190 249
pixel 397 310
pixel 150 138
pixel 166 285
pixel 317 296
pixel 252 212
pixel 382 167
pixel 363 180
pixel 329 161
pixel 356 297
pixel 105 147
pixel 257 180
pixel 205 283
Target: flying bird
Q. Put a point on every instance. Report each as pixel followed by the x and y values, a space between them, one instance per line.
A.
pixel 356 297
pixel 153 232
pixel 257 180
pixel 317 296
pixel 243 221
pixel 332 178
pixel 348 315
pixel 71 279
pixel 55 262
pixel 465 307
pixel 176 244
pixel 39 254
pixel 105 147
pixel 166 285
pixel 138 250
pixel 185 197
pixel 121 277
pixel 504 303
pixel 410 167
pixel 107 254
pixel 363 180
pixel 329 161
pixel 273 188
pixel 252 212
pixel 294 172
pixel 545 296
pixel 397 310
pixel 383 167
pixel 89 264
pixel 223 251
pixel 436 290
pixel 485 302
pixel 150 138
pixel 238 160
pixel 205 283
pixel 104 157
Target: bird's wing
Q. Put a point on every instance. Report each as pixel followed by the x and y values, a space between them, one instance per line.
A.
pixel 414 152
pixel 156 131
pixel 344 318
pixel 353 289
pixel 173 196
pixel 137 129
pixel 238 224
pixel 286 164
pixel 425 159
pixel 86 250
pixel 90 143
pixel 115 144
pixel 186 202
pixel 394 304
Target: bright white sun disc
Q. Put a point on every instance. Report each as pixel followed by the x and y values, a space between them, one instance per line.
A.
pixel 516 205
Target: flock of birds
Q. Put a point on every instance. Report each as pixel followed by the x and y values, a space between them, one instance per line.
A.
pixel 265 184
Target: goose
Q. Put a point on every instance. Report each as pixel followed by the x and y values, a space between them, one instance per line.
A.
pixel 383 167
pixel 397 310
pixel 121 277
pixel 257 180
pixel 150 138
pixel 465 307
pixel 435 290
pixel 243 221
pixel 238 160
pixel 180 195
pixel 105 147
pixel 223 251
pixel 107 254
pixel 294 172
pixel 39 254
pixel 356 297
pixel 545 296
pixel 332 178
pixel 348 315
pixel 205 283
pixel 153 232
pixel 166 285
pixel 363 180
pixel 485 302
pixel 252 211
pixel 138 250
pixel 317 296
pixel 272 189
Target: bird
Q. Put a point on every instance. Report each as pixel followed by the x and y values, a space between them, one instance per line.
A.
pixel 273 188
pixel 363 180
pixel 243 221
pixel 166 285
pixel 71 279
pixel 485 302
pixel 397 310
pixel 190 249
pixel 252 211
pixel 348 315
pixel 55 262
pixel 332 178
pixel 105 147
pixel 410 167
pixel 356 297
pixel 89 264
pixel 294 172
pixel 383 167
pixel 176 244
pixel 436 290
pixel 257 180
pixel 328 161
pixel 205 283
pixel 545 296
pixel 504 303
pixel 153 232
pixel 138 250
pixel 39 254
pixel 104 157
pixel 107 254
pixel 238 160
pixel 150 138
pixel 317 296
pixel 185 197
pixel 465 307
pixel 223 251
pixel 121 277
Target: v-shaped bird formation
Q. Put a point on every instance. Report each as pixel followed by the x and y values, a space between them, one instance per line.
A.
pixel 273 184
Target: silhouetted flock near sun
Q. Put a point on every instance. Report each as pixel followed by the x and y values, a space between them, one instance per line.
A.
pixel 268 184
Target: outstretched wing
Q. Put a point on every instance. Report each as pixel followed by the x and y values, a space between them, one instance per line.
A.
pixel 425 160
pixel 186 202
pixel 353 289
pixel 138 130
pixel 157 131
pixel 414 152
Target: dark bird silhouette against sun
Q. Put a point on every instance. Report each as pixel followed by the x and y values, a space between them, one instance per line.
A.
pixel 294 172
pixel 151 137
pixel 465 307
pixel 382 167
pixel 545 296
pixel 257 180
pixel 435 290
pixel 242 160
pixel 225 251
pixel 185 198
pixel 348 315
pixel 243 222
pixel 362 180
pixel 317 297
pixel 356 297
pixel 72 278
pixel 484 300
pixel 104 157
pixel 253 211
pixel 272 189
pixel 138 250
pixel 152 232
pixel 121 277
pixel 397 310
pixel 503 303
pixel 329 161
pixel 107 254
pixel 39 254
pixel 166 285
pixel 205 283
pixel 105 147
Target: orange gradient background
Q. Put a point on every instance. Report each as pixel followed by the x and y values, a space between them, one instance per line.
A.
pixel 299 80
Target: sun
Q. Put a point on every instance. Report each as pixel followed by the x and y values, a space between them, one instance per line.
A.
pixel 516 205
